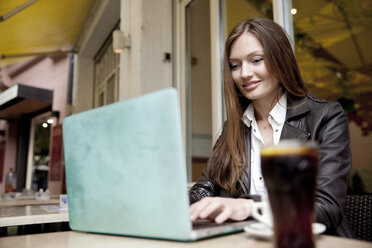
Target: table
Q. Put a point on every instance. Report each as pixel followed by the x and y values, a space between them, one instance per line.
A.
pixel 33 214
pixel 28 200
pixel 72 239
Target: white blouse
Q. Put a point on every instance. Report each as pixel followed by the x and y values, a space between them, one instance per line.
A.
pixel 276 120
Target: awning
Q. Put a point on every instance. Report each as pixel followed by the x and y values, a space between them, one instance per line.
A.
pixel 22 99
pixel 39 27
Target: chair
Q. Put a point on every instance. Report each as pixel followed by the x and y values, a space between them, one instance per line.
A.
pixel 358 211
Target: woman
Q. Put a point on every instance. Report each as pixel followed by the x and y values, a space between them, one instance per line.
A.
pixel 266 101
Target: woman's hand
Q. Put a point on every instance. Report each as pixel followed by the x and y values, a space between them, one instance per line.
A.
pixel 219 209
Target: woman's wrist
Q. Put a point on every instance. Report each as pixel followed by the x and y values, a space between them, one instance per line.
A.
pixel 246 205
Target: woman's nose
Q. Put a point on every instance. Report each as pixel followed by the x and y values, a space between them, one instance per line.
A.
pixel 246 71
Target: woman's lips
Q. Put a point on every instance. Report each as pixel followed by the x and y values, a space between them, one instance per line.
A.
pixel 251 85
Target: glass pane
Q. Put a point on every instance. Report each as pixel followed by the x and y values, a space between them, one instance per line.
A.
pixel 110 90
pixel 332 40
pixel 198 71
pixel 240 10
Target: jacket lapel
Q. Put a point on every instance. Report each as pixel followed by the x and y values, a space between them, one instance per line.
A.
pixel 296 109
pixel 291 132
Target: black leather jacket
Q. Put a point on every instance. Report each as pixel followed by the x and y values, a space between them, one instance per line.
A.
pixel 308 118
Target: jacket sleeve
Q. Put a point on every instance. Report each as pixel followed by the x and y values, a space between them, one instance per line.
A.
pixel 202 188
pixel 334 166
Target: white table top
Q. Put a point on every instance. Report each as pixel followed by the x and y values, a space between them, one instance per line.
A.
pixel 73 239
pixel 34 214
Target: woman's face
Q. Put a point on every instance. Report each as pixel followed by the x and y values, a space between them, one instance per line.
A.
pixel 249 71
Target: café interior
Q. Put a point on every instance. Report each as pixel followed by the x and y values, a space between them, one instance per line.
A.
pixel 61 58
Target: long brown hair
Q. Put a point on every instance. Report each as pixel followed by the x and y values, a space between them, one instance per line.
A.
pixel 229 157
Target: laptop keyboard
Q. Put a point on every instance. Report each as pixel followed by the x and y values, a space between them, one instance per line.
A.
pixel 200 224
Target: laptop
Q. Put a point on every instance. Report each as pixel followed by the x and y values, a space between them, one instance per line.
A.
pixel 126 171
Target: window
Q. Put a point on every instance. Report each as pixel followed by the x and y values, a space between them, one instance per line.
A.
pixel 332 41
pixel 106 75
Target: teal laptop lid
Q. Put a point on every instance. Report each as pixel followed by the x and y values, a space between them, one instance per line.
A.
pixel 125 168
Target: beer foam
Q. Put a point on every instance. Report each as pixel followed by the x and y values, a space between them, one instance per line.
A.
pixel 289 147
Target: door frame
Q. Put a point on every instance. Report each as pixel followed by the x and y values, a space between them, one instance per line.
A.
pixel 181 74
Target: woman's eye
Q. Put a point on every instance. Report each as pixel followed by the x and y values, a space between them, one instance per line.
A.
pixel 233 66
pixel 257 60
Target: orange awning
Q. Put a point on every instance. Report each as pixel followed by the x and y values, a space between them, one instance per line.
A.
pixel 39 27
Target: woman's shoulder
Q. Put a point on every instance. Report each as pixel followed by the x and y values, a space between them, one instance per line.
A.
pixel 321 103
pixel 316 99
pixel 321 109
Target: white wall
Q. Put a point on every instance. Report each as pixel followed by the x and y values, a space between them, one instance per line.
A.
pixel 142 67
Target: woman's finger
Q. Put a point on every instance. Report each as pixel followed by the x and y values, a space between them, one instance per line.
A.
pixel 210 210
pixel 196 208
pixel 223 216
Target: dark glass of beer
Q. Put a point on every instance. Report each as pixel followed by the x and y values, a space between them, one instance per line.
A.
pixel 290 170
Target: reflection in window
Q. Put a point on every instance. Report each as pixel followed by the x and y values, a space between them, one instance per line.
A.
pixel 333 49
